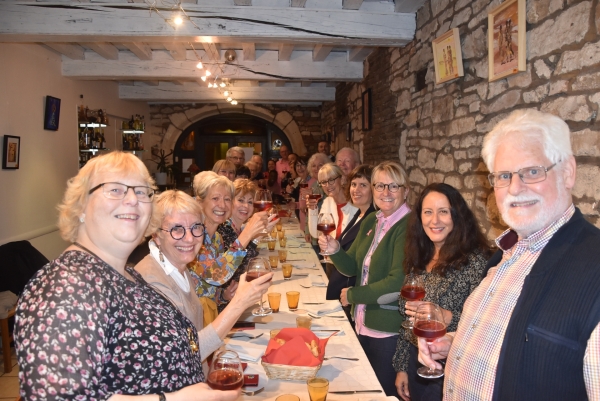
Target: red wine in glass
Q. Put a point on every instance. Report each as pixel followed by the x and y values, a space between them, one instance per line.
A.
pixel 429 330
pixel 253 275
pixel 261 206
pixel 326 228
pixel 304 185
pixel 258 267
pixel 225 379
pixel 412 293
pixel 314 197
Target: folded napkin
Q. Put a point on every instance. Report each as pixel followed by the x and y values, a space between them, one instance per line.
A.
pixel 247 351
pixel 316 280
pixel 292 349
pixel 304 265
pixel 325 309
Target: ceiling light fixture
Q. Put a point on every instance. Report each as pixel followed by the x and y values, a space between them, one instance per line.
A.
pixel 234 102
pixel 229 99
pixel 199 65
pixel 178 20
pixel 226 93
pixel 203 79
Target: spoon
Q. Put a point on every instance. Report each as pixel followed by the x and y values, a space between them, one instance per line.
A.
pixel 252 392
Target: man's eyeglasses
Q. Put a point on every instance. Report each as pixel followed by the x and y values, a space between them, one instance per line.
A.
pixel 236 158
pixel 178 232
pixel 117 191
pixel 529 175
pixel 329 182
pixel 392 187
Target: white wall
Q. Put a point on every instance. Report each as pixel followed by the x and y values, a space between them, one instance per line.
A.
pixel 29 195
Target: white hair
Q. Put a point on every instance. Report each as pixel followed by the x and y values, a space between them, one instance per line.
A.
pixel 236 149
pixel 529 126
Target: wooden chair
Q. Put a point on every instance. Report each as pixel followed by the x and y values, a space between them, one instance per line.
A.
pixel 6 340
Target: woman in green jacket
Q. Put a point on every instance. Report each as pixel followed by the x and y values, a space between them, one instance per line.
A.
pixel 376 259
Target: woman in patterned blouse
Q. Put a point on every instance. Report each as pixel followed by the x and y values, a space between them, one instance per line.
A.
pixel 87 327
pixel 217 261
pixel 445 245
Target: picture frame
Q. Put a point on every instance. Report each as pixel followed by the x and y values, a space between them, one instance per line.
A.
pixel 366 110
pixel 52 113
pixel 507 50
pixel 447 56
pixel 349 132
pixel 11 152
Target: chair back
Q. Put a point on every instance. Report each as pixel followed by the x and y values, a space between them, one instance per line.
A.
pixel 19 261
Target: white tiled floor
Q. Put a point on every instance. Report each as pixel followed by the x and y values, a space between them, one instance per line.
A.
pixel 9 383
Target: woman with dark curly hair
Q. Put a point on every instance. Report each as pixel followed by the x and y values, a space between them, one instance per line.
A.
pixel 445 245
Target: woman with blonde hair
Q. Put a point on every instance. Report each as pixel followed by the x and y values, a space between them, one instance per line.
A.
pixel 225 168
pixel 177 235
pixel 79 313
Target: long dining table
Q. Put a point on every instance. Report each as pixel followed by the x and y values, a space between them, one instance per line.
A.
pixel 310 280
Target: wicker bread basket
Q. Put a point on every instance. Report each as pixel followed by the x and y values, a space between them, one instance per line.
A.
pixel 289 372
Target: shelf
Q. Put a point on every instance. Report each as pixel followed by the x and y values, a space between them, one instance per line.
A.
pixel 131 131
pixel 92 150
pixel 92 125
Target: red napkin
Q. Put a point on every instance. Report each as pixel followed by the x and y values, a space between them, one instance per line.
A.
pixel 294 352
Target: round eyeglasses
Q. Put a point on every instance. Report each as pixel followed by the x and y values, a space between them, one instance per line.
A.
pixel 529 175
pixel 329 182
pixel 117 191
pixel 178 232
pixel 392 187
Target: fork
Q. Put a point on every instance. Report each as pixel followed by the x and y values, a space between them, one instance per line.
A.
pixel 253 392
pixel 319 317
pixel 340 357
pixel 250 336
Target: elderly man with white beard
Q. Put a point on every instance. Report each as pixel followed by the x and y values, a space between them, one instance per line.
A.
pixel 530 331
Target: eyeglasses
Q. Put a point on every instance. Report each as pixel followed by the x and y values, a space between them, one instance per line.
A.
pixel 116 190
pixel 329 182
pixel 236 158
pixel 178 232
pixel 529 175
pixel 392 187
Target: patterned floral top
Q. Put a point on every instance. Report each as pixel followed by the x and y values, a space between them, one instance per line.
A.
pixel 215 265
pixel 85 332
pixel 229 238
pixel 449 292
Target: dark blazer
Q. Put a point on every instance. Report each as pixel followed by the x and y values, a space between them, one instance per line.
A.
pixel 337 281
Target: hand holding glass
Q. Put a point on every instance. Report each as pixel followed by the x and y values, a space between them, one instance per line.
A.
pixel 429 324
pixel 263 201
pixel 226 372
pixel 413 289
pixel 258 267
pixel 326 225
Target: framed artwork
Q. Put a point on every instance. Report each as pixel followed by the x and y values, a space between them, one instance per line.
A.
pixel 11 152
pixel 506 39
pixel 366 110
pixel 52 113
pixel 349 132
pixel 447 57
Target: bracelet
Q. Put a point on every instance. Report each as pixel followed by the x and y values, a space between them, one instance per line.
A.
pixel 161 397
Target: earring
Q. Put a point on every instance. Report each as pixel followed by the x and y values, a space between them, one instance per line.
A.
pixel 160 256
pixel 82 218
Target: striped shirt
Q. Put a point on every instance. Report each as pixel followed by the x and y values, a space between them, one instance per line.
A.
pixel 471 366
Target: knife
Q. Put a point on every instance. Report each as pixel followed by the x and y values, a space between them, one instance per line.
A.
pixel 355 391
pixel 313 303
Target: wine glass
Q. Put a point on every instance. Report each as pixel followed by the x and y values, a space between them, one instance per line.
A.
pixel 412 290
pixel 263 201
pixel 429 324
pixel 258 267
pixel 326 225
pixel 226 371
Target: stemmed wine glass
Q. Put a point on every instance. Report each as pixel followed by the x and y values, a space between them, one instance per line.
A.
pixel 429 324
pixel 258 267
pixel 226 371
pixel 326 225
pixel 412 290
pixel 263 201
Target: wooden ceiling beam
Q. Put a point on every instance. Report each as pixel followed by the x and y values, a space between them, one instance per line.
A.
pixel 320 52
pixel 212 50
pixel 177 50
pixel 285 51
pixel 242 2
pixel 199 93
pixel 74 51
pixel 140 49
pixel 72 22
pixel 298 3
pixel 106 50
pixel 266 67
pixel 351 4
pixel 359 53
pixel 249 51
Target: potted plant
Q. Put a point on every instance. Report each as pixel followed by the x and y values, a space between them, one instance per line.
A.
pixel 163 168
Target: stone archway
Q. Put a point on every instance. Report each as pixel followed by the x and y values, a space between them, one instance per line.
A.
pixel 179 121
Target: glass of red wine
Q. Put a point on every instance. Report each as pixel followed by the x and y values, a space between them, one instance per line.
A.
pixel 258 267
pixel 326 225
pixel 412 290
pixel 263 201
pixel 226 371
pixel 429 324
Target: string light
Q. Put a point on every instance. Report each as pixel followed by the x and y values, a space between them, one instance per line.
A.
pixel 203 78
pixel 226 93
pixel 210 85
pixel 229 99
pixel 208 74
pixel 178 20
pixel 199 65
pixel 234 102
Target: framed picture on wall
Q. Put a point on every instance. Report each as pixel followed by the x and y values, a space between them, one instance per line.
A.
pixel 349 132
pixel 11 152
pixel 506 39
pixel 447 57
pixel 366 110
pixel 52 113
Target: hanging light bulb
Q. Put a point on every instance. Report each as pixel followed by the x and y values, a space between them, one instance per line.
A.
pixel 203 78
pixel 209 85
pixel 234 102
pixel 229 99
pixel 208 73
pixel 178 20
pixel 199 65
pixel 222 85
pixel 226 93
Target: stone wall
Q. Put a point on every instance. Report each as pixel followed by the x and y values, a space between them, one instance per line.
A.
pixel 437 131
